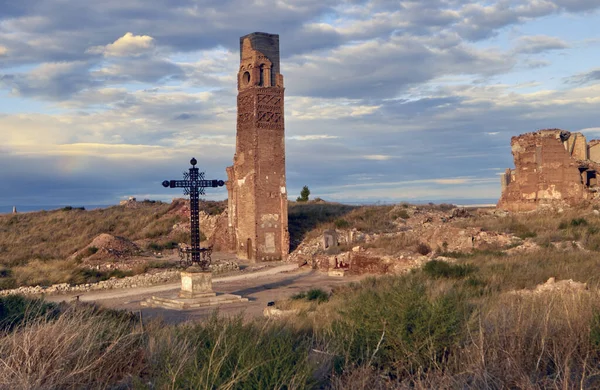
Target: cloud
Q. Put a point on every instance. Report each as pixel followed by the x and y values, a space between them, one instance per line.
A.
pixel 50 80
pixel 535 44
pixel 313 137
pixel 147 70
pixel 385 68
pixel 483 21
pixel 128 45
pixel 309 108
pixel 3 50
pixel 377 157
pixel 584 78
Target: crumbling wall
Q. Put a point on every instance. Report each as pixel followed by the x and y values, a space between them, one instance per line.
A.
pixel 594 150
pixel 256 181
pixel 551 168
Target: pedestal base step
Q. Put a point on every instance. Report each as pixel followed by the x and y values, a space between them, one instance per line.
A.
pixel 178 303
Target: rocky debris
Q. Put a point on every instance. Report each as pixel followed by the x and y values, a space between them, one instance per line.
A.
pixel 569 246
pixel 461 213
pixel 272 312
pixel 437 229
pixel 553 286
pixel 142 280
pixel 527 246
pixel 224 266
pixel 562 285
pixel 106 246
pixel 130 203
pixel 113 283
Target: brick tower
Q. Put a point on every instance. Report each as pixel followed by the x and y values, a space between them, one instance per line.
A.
pixel 257 206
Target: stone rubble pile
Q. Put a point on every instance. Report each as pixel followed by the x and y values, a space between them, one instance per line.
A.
pixel 425 232
pixel 141 280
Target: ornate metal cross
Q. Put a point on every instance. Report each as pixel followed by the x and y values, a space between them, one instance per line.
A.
pixel 194 185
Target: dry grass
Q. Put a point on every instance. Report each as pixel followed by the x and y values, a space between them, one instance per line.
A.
pixel 534 341
pixel 530 269
pixel 80 349
pixel 57 234
pixel 545 227
pixel 87 348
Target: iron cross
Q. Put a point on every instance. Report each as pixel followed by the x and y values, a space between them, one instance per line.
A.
pixel 194 185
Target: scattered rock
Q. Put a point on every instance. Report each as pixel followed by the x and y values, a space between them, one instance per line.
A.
pixel 272 312
pixel 106 246
pixel 461 213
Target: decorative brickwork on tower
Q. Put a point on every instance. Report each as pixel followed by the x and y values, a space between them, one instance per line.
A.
pixel 257 206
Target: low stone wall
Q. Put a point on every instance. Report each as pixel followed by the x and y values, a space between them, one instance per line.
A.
pixel 142 280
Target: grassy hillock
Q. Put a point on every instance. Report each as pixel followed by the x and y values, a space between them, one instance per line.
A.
pixel 35 247
pixel 57 234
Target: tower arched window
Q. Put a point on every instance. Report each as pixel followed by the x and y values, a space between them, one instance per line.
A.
pixel 261 80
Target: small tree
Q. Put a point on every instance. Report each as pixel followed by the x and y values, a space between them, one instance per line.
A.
pixel 303 195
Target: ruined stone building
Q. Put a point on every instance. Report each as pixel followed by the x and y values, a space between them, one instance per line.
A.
pixel 552 167
pixel 257 206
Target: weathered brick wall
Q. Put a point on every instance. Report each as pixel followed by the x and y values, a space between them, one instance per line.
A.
pixel 257 185
pixel 577 146
pixel 547 170
pixel 594 150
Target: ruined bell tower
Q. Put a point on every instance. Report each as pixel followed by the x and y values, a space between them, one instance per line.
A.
pixel 257 206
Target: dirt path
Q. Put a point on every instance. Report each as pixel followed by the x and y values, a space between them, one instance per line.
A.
pixel 259 287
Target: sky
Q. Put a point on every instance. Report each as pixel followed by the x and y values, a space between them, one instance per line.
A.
pixel 386 101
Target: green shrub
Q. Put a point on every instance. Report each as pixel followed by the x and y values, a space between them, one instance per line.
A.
pixel 341 223
pixel 91 250
pixel 154 246
pixel 579 222
pixel 394 325
pixel 16 309
pixel 402 214
pixel 442 269
pixel 315 294
pixel 595 330
pixel 521 230
pixel 228 353
pixel 423 249
pixel 87 275
pixel 7 281
pixel 299 296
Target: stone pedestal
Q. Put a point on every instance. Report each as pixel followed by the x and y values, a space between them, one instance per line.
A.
pixel 196 292
pixel 196 284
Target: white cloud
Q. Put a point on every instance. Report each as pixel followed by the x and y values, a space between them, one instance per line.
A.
pixel 377 157
pixel 314 137
pixel 128 45
pixel 3 50
pixel 310 108
pixel 534 44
